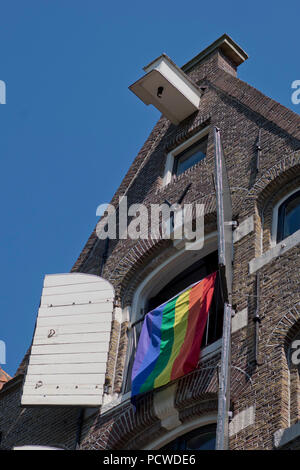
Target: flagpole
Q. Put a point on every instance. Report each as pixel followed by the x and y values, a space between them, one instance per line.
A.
pixel 225 256
pixel 224 383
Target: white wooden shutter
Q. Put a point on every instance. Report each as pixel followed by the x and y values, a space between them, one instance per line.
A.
pixel 69 351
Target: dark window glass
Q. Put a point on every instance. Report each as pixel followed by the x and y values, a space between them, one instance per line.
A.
pixel 194 273
pixel 190 156
pixel 289 216
pixel 199 439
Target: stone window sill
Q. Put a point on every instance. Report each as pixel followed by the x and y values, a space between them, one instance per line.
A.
pixel 277 250
pixel 284 436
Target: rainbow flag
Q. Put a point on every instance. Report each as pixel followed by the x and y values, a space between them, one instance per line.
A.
pixel 171 336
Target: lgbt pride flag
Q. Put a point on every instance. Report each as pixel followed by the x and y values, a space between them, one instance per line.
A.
pixel 171 336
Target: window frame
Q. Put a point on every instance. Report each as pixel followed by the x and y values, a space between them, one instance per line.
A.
pixel 276 218
pixel 176 263
pixel 181 157
pixel 196 423
pixel 171 156
pixel 176 445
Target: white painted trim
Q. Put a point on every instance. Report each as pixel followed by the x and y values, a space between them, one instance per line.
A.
pixel 277 250
pixel 34 447
pixel 171 155
pixel 196 423
pixel 275 216
pixel 63 400
pixel 164 65
pixel 180 98
pixel 67 349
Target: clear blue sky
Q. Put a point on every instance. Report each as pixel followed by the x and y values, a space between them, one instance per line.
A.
pixel 71 127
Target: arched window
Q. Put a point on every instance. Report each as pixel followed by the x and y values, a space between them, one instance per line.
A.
pixel 200 439
pixel 288 216
pixel 195 272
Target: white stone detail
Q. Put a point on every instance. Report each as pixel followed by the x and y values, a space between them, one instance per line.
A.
pixel 164 407
pixel 242 420
pixel 179 96
pixel 278 250
pixel 118 314
pixel 240 320
pixel 245 227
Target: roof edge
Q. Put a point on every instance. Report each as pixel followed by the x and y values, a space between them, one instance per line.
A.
pixel 227 45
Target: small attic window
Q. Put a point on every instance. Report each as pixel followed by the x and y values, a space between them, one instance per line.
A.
pixel 186 155
pixel 288 216
pixel 190 156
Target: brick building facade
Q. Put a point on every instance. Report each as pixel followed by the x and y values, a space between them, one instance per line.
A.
pixel 261 141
